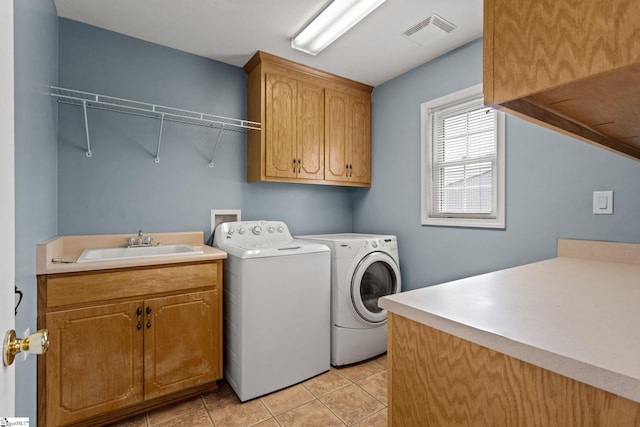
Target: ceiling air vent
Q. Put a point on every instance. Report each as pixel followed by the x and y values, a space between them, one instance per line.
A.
pixel 429 30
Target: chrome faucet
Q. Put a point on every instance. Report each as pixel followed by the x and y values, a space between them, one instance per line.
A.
pixel 142 240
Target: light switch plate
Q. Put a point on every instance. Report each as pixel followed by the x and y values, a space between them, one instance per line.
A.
pixel 603 202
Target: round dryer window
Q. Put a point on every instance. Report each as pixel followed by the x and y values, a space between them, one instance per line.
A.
pixel 377 275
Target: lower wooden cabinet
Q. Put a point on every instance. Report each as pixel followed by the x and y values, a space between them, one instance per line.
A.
pixel 107 357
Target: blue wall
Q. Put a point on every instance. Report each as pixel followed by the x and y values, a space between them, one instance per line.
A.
pixel 550 180
pixel 36 60
pixel 120 189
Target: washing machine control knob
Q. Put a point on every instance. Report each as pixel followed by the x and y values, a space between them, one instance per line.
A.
pixel 374 244
pixel 270 229
pixel 230 231
pixel 241 230
pixel 280 229
pixel 257 230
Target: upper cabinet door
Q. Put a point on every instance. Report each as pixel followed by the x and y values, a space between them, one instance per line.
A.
pixel 570 65
pixel 280 126
pixel 310 131
pixel 348 138
pixel 359 125
pixel 540 44
pixel 336 136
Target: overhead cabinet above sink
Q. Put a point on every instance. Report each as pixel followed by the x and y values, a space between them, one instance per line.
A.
pixel 569 65
pixel 316 126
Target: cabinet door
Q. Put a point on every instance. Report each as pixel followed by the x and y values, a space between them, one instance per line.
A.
pixel 310 131
pixel 336 135
pixel 280 126
pixel 94 362
pixel 182 343
pixel 348 138
pixel 535 45
pixel 359 128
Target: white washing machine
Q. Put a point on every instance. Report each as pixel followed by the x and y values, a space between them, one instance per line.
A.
pixel 276 307
pixel 364 267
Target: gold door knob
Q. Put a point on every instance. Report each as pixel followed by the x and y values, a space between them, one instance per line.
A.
pixel 36 343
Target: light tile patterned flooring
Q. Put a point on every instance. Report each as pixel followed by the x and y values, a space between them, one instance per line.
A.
pixel 355 395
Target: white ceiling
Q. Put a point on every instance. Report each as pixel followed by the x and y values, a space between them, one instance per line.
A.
pixel 231 31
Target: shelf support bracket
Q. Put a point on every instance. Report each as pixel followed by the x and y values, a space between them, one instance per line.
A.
pixel 86 129
pixel 215 148
pixel 157 159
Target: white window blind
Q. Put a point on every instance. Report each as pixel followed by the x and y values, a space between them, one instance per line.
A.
pixel 464 159
pixel 463 163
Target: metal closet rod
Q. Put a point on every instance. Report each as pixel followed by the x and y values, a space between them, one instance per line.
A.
pixel 128 106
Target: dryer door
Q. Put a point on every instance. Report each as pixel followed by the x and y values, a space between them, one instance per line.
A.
pixel 376 275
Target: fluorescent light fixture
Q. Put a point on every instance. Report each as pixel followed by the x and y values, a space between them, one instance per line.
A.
pixel 335 20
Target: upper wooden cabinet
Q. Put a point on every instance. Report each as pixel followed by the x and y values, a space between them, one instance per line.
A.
pixel 569 65
pixel 316 127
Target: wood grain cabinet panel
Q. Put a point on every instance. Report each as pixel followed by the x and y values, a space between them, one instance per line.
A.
pixel 292 103
pixel 310 121
pixel 94 361
pixel 569 65
pixel 280 126
pixel 348 137
pixel 115 351
pixel 293 127
pixel 437 379
pixel 181 342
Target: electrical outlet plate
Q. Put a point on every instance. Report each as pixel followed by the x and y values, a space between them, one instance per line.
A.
pixel 219 216
pixel 603 202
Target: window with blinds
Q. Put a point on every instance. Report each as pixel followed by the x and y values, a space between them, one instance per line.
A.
pixel 463 162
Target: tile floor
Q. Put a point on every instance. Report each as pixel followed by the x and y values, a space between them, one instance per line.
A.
pixel 355 395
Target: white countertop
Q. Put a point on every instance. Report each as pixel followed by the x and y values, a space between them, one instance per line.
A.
pixel 576 317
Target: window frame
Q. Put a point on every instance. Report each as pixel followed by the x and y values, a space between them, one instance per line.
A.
pixel 427 187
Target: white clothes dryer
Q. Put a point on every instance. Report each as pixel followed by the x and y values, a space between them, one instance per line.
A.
pixel 364 267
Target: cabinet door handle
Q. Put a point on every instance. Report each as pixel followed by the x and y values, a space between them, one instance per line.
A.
pixel 148 311
pixel 299 163
pixel 294 165
pixel 139 313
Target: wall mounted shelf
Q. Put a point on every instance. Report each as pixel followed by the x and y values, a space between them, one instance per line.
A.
pixel 163 113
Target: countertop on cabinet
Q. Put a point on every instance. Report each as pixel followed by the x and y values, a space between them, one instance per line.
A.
pixel 576 315
pixel 69 248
